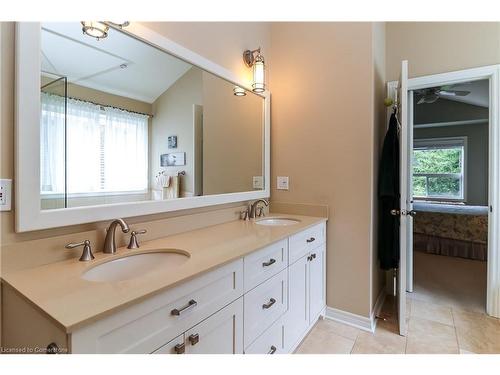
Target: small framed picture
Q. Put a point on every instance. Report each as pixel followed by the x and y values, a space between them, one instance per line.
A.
pixel 173 160
pixel 172 141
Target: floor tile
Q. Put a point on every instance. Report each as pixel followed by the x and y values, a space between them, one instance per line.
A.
pixel 430 337
pixel 432 311
pixel 337 328
pixel 385 340
pixel 322 340
pixel 477 333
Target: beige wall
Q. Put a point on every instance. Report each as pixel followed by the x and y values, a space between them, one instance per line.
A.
pixel 322 138
pixel 437 47
pixel 235 123
pixel 173 115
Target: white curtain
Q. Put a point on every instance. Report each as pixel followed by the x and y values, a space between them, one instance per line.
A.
pixel 52 143
pixel 106 149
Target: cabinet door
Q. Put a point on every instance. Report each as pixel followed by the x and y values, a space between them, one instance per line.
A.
pixel 221 333
pixel 297 317
pixel 176 346
pixel 317 283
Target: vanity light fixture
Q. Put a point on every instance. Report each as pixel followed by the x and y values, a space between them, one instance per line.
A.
pixel 95 29
pixel 256 60
pixel 239 91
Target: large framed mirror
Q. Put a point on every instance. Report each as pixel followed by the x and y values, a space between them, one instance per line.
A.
pixel 130 124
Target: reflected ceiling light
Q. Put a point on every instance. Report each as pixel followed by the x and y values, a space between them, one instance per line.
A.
pixel 256 60
pixel 120 24
pixel 95 29
pixel 239 91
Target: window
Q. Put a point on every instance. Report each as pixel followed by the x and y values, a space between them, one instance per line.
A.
pixel 439 169
pixel 106 148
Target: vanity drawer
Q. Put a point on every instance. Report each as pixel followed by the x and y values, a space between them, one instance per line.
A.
pixel 264 305
pixel 147 325
pixel 270 342
pixel 265 263
pixel 303 242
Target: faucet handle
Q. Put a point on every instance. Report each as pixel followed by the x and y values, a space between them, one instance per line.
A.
pixel 87 250
pixel 134 244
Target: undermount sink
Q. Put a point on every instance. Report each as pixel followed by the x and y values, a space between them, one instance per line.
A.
pixel 277 221
pixel 134 265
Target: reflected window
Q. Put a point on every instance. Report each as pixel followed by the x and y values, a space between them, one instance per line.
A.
pixel 106 148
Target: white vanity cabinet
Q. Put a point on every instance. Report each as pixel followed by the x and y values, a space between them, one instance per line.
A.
pixel 307 284
pixel 262 303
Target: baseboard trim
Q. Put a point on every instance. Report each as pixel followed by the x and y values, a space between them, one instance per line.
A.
pixel 361 322
pixel 378 307
pixel 354 320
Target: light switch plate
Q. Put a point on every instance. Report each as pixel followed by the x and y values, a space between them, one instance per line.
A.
pixel 5 195
pixel 258 182
pixel 282 183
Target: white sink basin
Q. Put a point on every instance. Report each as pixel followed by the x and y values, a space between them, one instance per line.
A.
pixel 277 221
pixel 131 266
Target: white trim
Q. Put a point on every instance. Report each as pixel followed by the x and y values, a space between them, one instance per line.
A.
pixel 379 303
pixel 492 74
pixel 361 322
pixel 29 215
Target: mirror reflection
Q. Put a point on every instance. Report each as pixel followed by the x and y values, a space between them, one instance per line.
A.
pixel 122 121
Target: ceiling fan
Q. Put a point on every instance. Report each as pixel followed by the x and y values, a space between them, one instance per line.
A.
pixel 432 94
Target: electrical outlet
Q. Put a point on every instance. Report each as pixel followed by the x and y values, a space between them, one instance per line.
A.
pixel 5 195
pixel 258 182
pixel 282 183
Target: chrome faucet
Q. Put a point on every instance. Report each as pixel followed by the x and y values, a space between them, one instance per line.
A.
pixel 109 241
pixel 252 208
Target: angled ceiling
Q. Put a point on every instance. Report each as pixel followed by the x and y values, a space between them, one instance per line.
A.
pixel 118 64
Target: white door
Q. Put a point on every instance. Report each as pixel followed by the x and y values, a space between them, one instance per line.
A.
pixel 409 221
pixel 316 283
pixel 297 316
pixel 405 188
pixel 222 333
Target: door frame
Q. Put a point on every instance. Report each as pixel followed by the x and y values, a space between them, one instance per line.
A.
pixel 492 74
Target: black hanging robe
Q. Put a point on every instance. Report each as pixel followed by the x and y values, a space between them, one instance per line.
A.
pixel 388 196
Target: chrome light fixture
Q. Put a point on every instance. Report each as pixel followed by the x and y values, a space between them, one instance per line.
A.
pixel 120 24
pixel 239 91
pixel 95 29
pixel 256 60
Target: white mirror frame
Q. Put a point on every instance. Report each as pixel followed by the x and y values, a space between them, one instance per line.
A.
pixel 29 215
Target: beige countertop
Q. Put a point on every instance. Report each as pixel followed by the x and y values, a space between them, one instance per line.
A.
pixel 59 290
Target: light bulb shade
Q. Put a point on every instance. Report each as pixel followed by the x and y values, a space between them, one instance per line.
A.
pixel 95 29
pixel 259 74
pixel 239 91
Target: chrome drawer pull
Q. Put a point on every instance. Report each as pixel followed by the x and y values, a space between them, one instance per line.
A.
pixel 190 305
pixel 309 240
pixel 194 338
pixel 268 263
pixel 180 348
pixel 273 350
pixel 271 302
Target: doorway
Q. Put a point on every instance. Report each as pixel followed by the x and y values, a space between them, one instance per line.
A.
pixel 409 95
pixel 448 262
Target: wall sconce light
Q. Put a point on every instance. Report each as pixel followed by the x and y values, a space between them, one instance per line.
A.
pixel 98 29
pixel 239 91
pixel 95 29
pixel 256 60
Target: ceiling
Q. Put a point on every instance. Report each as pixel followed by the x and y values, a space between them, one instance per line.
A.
pixel 479 93
pixel 118 64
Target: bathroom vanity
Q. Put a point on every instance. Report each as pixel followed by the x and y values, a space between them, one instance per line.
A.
pixel 244 287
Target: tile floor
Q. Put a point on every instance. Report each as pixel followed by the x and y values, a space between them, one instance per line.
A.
pixel 432 329
pixel 445 314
